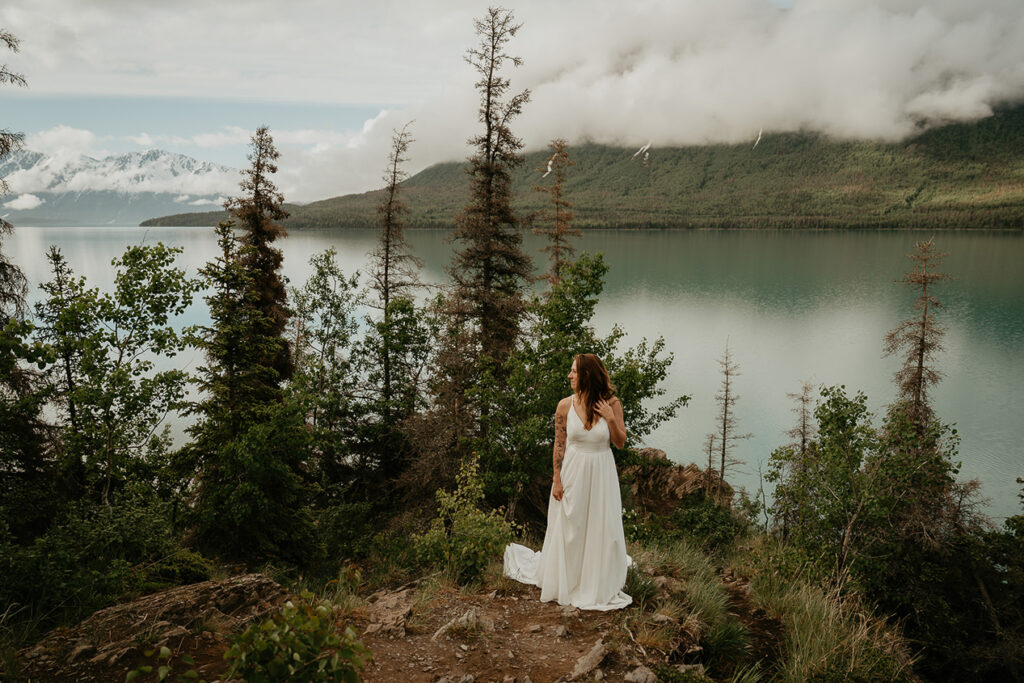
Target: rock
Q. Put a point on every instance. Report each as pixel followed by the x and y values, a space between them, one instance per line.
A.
pixel 534 628
pixel 598 675
pixel 641 674
pixel 509 679
pixel 662 619
pixel 659 488
pixel 561 632
pixel 589 661
pixel 468 678
pixel 569 611
pixel 390 612
pixel 81 650
pixel 651 453
pixel 668 584
pixel 468 623
pixel 97 648
pixel 697 669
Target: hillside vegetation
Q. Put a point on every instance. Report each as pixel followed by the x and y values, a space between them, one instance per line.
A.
pixel 956 176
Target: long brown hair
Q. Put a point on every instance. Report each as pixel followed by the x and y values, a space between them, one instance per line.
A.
pixel 593 383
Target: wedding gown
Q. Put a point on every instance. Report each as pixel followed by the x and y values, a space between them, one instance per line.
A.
pixel 583 560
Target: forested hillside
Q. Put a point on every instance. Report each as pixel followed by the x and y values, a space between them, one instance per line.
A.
pixel 956 176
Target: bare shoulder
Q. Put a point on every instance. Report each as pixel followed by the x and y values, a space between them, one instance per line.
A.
pixel 563 406
pixel 614 401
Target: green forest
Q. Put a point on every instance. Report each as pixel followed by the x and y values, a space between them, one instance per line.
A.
pixel 343 454
pixel 964 175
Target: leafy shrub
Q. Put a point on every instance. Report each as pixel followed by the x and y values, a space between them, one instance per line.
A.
pixel 164 670
pixel 713 526
pixel 301 643
pixel 95 555
pixel 697 518
pixel 463 538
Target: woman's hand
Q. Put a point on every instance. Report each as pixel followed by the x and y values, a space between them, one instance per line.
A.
pixel 556 489
pixel 611 411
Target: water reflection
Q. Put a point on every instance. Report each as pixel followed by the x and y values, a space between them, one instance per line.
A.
pixel 793 306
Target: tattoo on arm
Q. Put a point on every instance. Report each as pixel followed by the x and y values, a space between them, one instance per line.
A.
pixel 560 424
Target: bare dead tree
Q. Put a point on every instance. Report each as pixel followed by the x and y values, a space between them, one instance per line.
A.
pixel 726 421
pixel 559 214
pixel 805 430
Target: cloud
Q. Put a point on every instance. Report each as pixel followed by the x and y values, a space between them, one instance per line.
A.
pixel 684 73
pixel 64 141
pixel 142 140
pixel 673 72
pixel 219 201
pixel 25 202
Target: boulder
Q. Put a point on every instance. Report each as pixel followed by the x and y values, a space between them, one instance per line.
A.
pixel 101 647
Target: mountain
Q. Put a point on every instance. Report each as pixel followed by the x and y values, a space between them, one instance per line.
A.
pixel 121 189
pixel 960 175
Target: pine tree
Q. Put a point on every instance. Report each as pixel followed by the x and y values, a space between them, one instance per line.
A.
pixel 244 465
pixel 919 338
pixel 490 269
pixel 559 214
pixel 257 211
pixel 395 278
pixel 13 286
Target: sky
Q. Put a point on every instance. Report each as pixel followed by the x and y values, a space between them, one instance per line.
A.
pixel 333 78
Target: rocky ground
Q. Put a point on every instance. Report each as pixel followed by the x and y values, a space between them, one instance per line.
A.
pixel 438 633
pixel 429 630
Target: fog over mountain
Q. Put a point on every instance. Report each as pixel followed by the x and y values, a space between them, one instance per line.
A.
pixel 115 190
pixel 669 72
pixel 681 73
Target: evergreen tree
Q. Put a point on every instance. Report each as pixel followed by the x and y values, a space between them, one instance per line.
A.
pixel 919 338
pixel 12 281
pixel 395 279
pixel 489 269
pixel 244 465
pixel 257 211
pixel 559 213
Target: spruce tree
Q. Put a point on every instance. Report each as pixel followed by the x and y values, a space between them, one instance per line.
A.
pixel 490 269
pixel 395 278
pixel 250 443
pixel 12 281
pixel 919 338
pixel 257 212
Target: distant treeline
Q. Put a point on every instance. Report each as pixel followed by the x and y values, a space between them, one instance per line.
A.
pixel 956 176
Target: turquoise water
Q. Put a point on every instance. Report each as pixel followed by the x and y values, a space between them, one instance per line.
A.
pixel 792 306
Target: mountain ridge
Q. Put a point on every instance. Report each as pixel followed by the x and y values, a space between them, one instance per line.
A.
pixel 954 176
pixel 119 189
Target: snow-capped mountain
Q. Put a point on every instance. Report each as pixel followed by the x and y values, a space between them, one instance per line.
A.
pixel 122 189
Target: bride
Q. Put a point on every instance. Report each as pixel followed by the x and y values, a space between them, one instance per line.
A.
pixel 583 560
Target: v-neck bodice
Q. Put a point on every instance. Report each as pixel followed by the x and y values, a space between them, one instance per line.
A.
pixel 596 438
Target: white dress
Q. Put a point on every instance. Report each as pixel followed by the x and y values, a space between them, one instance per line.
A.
pixel 583 561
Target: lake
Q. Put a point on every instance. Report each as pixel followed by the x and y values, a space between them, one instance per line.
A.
pixel 792 306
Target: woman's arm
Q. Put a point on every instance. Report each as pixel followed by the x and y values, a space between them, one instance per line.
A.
pixel 611 411
pixel 561 416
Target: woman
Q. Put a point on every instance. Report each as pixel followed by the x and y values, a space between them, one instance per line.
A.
pixel 583 561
